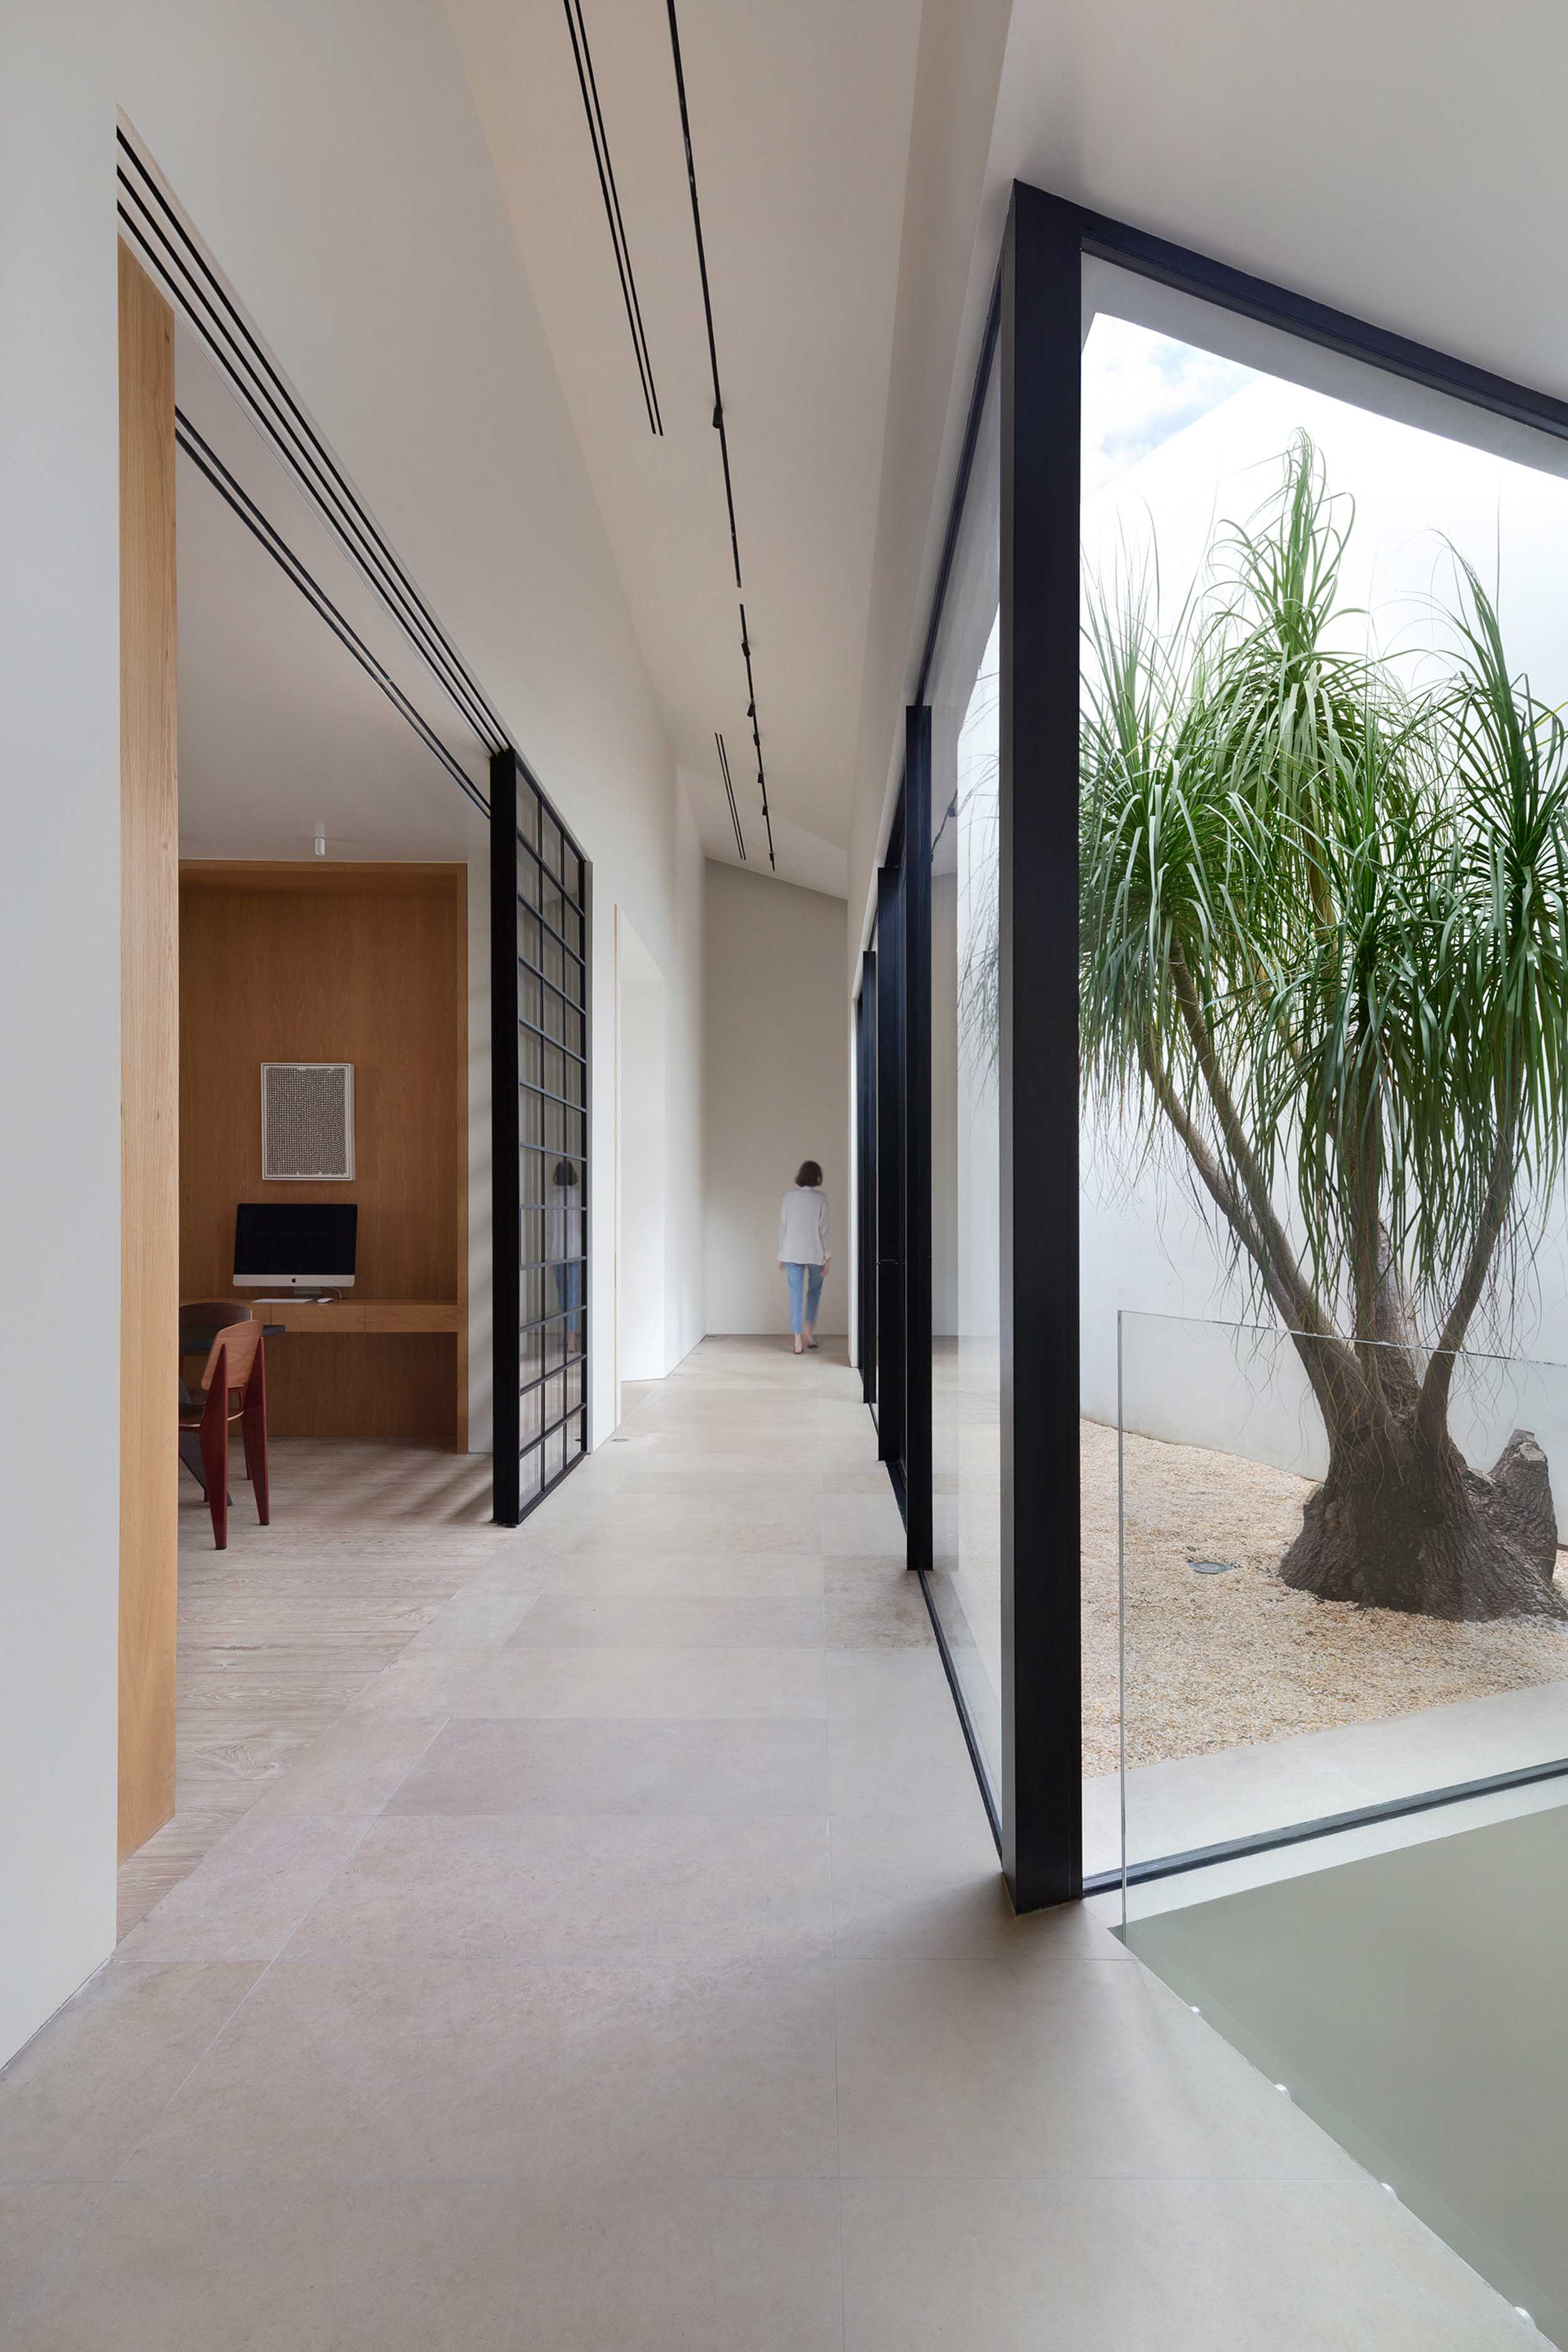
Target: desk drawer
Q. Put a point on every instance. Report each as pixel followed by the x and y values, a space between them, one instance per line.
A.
pixel 305 1315
pixel 409 1314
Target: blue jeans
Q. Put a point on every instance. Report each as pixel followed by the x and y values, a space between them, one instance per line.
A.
pixel 807 1280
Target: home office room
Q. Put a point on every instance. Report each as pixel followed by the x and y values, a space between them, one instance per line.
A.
pixel 301 1136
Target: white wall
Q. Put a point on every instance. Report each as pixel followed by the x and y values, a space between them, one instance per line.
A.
pixel 777 1080
pixel 640 1287
pixel 329 153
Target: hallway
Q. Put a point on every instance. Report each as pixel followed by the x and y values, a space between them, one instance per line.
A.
pixel 625 1968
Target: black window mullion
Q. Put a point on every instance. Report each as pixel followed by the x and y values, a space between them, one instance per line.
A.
pixel 522 1102
pixel 543 920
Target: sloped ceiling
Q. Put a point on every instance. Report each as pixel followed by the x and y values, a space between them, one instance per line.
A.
pixel 801 126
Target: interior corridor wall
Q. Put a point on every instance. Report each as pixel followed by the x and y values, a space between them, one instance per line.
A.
pixel 776 1089
pixel 332 158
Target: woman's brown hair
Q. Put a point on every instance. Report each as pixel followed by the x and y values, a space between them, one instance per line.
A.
pixel 808 1173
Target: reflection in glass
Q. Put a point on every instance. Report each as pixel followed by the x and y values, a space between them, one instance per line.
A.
pixel 563 1245
pixel 966 1411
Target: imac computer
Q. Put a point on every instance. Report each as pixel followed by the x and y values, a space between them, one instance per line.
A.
pixel 300 1246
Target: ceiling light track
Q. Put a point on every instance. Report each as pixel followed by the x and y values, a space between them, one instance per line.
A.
pixel 719 426
pixel 599 139
pixel 729 794
pixel 197 290
pixel 209 463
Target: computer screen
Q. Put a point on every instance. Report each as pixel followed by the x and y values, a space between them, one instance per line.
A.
pixel 301 1243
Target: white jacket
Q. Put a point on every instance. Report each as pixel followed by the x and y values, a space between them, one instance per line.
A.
pixel 803 1226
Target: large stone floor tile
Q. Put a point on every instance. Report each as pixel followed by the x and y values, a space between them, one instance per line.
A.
pixel 573 1764
pixel 771 1576
pixel 244 1900
pixel 353 1769
pixel 1157 2267
pixel 930 1886
pixel 579 1890
pixel 650 1526
pixel 38 2218
pixel 620 1621
pixel 77 2098
pixel 901 1753
pixel 875 1680
pixel 1005 2069
pixel 756 1685
pixel 634 2266
pixel 423 1683
pixel 419 2071
pixel 863 1524
pixel 874 1604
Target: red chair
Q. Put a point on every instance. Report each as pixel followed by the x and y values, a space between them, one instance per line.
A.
pixel 234 1388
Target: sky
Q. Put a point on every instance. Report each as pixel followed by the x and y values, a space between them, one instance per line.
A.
pixel 1138 389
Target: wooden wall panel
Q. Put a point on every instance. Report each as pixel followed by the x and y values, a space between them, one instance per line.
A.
pixel 149 1058
pixel 352 963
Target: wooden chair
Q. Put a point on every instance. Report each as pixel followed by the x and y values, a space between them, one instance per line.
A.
pixel 234 1388
pixel 198 1320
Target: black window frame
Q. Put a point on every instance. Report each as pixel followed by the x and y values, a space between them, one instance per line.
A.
pixel 1033 335
pixel 543 1390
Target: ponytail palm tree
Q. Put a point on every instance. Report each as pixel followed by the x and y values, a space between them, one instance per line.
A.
pixel 1325 924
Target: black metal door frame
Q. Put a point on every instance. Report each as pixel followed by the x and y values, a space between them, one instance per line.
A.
pixel 1041 1694
pixel 916 956
pixel 891 1361
pixel 540 1108
pixel 865 1176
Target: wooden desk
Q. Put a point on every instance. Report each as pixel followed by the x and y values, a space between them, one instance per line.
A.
pixel 392 1319
pixel 361 1314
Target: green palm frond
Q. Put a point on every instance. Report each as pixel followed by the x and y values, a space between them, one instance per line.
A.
pixel 1324 915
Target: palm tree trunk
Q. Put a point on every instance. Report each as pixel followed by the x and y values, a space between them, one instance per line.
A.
pixel 1401 1520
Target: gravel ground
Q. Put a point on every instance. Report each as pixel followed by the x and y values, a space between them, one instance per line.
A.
pixel 1216 1662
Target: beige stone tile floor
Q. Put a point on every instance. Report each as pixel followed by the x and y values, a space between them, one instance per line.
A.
pixel 588 1940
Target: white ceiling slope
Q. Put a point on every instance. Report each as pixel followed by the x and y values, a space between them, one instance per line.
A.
pixel 281 730
pixel 1398 160
pixel 801 125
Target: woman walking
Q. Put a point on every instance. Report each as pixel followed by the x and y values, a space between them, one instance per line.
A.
pixel 803 1250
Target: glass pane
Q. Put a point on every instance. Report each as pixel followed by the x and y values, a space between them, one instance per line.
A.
pixel 532 1116
pixel 531 1473
pixel 966 1161
pixel 1319 1609
pixel 528 814
pixel 1322 685
pixel 549 845
pixel 530 1413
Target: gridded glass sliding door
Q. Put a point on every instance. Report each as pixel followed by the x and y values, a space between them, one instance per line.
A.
pixel 538 948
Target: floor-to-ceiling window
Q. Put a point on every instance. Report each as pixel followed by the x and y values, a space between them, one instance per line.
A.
pixel 1231 1308
pixel 965 1565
